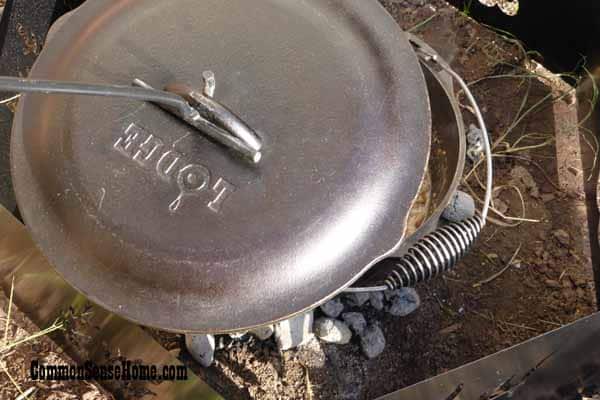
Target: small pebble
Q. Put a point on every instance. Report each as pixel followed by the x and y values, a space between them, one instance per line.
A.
pixel 201 348
pixel 562 237
pixel 520 176
pixel 263 332
pixel 372 341
pixel 356 321
pixel 332 331
pixel 357 299
pixel 376 300
pixel 405 302
pixel 333 308
pixel 475 142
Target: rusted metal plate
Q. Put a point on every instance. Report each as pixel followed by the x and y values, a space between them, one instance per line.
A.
pixel 338 96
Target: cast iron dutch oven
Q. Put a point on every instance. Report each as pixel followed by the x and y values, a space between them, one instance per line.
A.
pixel 170 229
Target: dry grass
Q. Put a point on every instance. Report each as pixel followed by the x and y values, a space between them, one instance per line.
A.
pixel 7 345
pixel 502 147
pixel 20 343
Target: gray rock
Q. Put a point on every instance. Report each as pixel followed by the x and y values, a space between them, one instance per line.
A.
pixel 332 331
pixel 392 294
pixel 376 300
pixel 372 341
pixel 356 321
pixel 201 348
pixel 333 308
pixel 295 331
pixel 263 332
pixel 461 207
pixel 475 142
pixel 357 299
pixel 404 302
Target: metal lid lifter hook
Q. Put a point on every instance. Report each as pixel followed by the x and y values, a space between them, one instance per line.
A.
pixel 195 108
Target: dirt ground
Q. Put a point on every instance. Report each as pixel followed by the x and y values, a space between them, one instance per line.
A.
pixel 17 351
pixel 481 307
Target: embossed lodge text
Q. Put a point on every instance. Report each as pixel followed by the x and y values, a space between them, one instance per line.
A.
pixel 150 152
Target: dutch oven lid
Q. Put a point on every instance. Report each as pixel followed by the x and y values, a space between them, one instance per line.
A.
pixel 164 226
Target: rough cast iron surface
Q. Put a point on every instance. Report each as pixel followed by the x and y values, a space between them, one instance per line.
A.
pixel 159 224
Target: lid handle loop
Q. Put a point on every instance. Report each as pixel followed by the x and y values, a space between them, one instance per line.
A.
pixel 206 114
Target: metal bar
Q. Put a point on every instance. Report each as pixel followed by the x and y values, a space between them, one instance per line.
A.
pixel 235 134
pixel 562 364
pixel 44 296
pixel 589 122
pixel 25 85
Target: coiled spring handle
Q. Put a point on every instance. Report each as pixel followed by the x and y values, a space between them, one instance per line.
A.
pixel 435 253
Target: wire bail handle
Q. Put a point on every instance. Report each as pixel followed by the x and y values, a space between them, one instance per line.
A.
pixel 440 250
